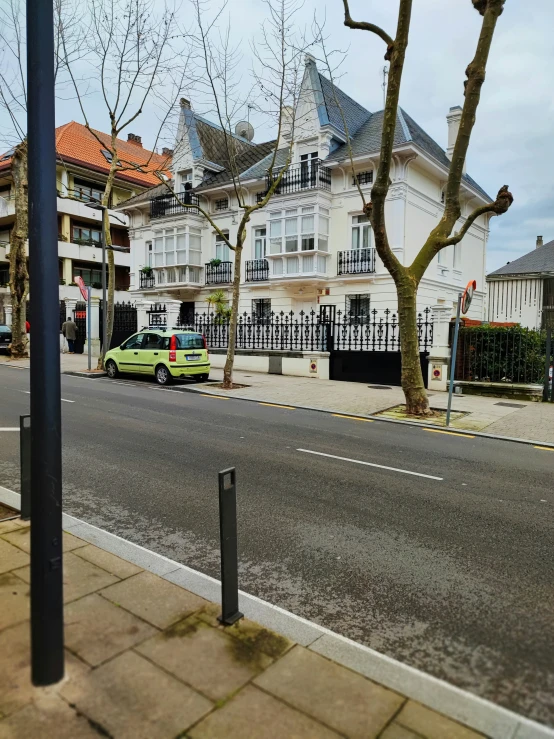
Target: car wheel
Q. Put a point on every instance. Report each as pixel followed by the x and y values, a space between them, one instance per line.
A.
pixel 111 369
pixel 163 375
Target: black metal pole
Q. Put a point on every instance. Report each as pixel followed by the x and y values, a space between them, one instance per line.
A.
pixel 546 387
pixel 25 466
pixel 228 540
pixel 104 302
pixel 47 642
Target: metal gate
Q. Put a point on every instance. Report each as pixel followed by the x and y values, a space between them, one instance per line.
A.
pixel 366 348
pixel 124 323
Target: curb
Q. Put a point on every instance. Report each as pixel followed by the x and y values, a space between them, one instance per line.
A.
pixel 415 424
pixel 86 375
pixel 475 712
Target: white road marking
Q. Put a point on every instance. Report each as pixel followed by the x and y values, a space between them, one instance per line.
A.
pixel 28 392
pixel 370 464
pixel 7 428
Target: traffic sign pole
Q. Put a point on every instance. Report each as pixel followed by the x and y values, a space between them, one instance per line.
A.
pixel 453 360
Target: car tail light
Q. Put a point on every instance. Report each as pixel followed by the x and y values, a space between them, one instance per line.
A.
pixel 205 342
pixel 173 349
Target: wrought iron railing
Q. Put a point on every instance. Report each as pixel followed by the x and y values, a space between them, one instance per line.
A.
pixel 356 261
pixel 87 242
pixel 310 331
pixel 168 205
pixel 257 270
pixel 302 176
pixel 219 274
pixel 501 354
pixel 147 280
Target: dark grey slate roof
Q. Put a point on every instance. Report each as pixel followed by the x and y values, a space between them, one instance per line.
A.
pixel 538 261
pixel 217 146
pixel 251 159
pixel 354 113
pixel 368 140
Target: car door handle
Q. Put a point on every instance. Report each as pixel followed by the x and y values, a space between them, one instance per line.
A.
pixel 136 352
pixel 156 354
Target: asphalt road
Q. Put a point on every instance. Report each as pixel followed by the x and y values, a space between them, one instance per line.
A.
pixel 436 551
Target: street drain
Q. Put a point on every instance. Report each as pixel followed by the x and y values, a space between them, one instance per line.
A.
pixel 380 387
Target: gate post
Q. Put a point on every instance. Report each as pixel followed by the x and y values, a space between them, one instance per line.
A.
pixel 95 328
pixel 173 308
pixel 439 356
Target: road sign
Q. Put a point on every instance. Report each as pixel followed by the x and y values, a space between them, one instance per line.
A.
pixel 82 287
pixel 468 295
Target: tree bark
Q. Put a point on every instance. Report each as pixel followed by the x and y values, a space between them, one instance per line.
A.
pixel 110 261
pixel 19 275
pixel 230 359
pixel 417 403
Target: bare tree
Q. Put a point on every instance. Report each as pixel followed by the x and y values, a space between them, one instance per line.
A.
pixel 407 278
pixel 130 51
pixel 279 57
pixel 13 100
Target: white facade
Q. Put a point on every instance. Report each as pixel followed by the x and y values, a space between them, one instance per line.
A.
pixel 318 249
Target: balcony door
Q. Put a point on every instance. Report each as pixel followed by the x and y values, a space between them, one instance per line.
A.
pixel 361 232
pixel 308 169
pixel 259 243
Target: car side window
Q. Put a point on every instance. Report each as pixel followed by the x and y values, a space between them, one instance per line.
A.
pixel 165 342
pixel 153 341
pixel 135 342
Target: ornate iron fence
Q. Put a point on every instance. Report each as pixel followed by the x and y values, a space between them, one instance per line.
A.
pixel 168 205
pixel 302 176
pixel 311 331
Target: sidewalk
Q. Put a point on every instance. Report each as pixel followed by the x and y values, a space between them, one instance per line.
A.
pixel 148 658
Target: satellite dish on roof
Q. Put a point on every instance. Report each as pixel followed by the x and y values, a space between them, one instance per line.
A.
pixel 245 130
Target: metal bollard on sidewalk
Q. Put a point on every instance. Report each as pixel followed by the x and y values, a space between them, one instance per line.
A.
pixel 228 541
pixel 25 466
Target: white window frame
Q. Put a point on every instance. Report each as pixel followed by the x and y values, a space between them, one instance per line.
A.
pixel 260 242
pixel 222 251
pixel 362 229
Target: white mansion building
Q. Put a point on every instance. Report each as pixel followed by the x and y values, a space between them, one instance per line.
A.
pixel 311 245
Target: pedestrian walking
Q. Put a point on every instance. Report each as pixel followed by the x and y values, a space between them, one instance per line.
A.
pixel 69 330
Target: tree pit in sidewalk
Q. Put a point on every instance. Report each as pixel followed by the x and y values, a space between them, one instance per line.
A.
pixel 437 416
pixel 6 512
pixel 234 386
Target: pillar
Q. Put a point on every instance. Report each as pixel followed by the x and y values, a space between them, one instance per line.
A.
pixel 439 357
pixel 95 328
pixel 65 227
pixel 67 270
pixel 143 318
pixel 173 308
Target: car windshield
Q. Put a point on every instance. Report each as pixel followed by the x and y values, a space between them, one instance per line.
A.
pixel 5 330
pixel 190 341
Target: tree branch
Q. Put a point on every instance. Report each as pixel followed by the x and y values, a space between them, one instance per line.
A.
pixel 503 201
pixel 364 26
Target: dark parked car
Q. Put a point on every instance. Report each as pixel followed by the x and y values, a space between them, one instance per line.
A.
pixel 5 338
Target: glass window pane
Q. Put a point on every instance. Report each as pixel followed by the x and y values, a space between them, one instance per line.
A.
pixel 307 224
pixel 291 226
pixel 170 257
pixel 323 225
pixel 366 232
pixel 292 266
pixel 275 246
pixel 158 260
pixel 355 238
pixel 158 244
pixel 308 242
pixel 275 228
pixel 291 243
pixel 322 244
pixel 195 242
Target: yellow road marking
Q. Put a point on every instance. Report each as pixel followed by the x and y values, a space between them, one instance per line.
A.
pixel 353 418
pixel 275 405
pixel 209 395
pixel 450 433
pixel 545 448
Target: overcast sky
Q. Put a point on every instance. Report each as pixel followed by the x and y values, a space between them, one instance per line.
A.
pixel 512 139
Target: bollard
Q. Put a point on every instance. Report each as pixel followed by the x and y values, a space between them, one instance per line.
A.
pixel 25 466
pixel 228 541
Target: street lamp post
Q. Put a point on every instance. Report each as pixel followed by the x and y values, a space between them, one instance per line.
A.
pixel 47 635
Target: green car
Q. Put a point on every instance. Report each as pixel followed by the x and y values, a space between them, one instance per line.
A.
pixel 165 354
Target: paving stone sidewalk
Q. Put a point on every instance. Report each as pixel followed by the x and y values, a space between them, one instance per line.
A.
pixel 147 659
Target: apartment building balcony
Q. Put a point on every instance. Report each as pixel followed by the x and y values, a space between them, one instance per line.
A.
pixel 303 176
pixel 179 276
pixel 257 270
pixel 169 205
pixel 304 264
pixel 356 261
pixel 147 280
pixel 219 274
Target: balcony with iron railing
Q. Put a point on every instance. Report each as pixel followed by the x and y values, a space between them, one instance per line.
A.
pixel 178 276
pixel 300 177
pixel 356 261
pixel 147 280
pixel 257 270
pixel 219 274
pixel 169 205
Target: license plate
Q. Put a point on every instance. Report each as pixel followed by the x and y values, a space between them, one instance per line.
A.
pixel 192 357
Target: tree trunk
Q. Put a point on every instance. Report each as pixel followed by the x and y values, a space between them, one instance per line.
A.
pixel 19 275
pixel 230 360
pixel 417 402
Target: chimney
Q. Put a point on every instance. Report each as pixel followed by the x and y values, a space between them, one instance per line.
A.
pixel 453 119
pixel 539 241
pixel 184 103
pixel 167 152
pixel 132 138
